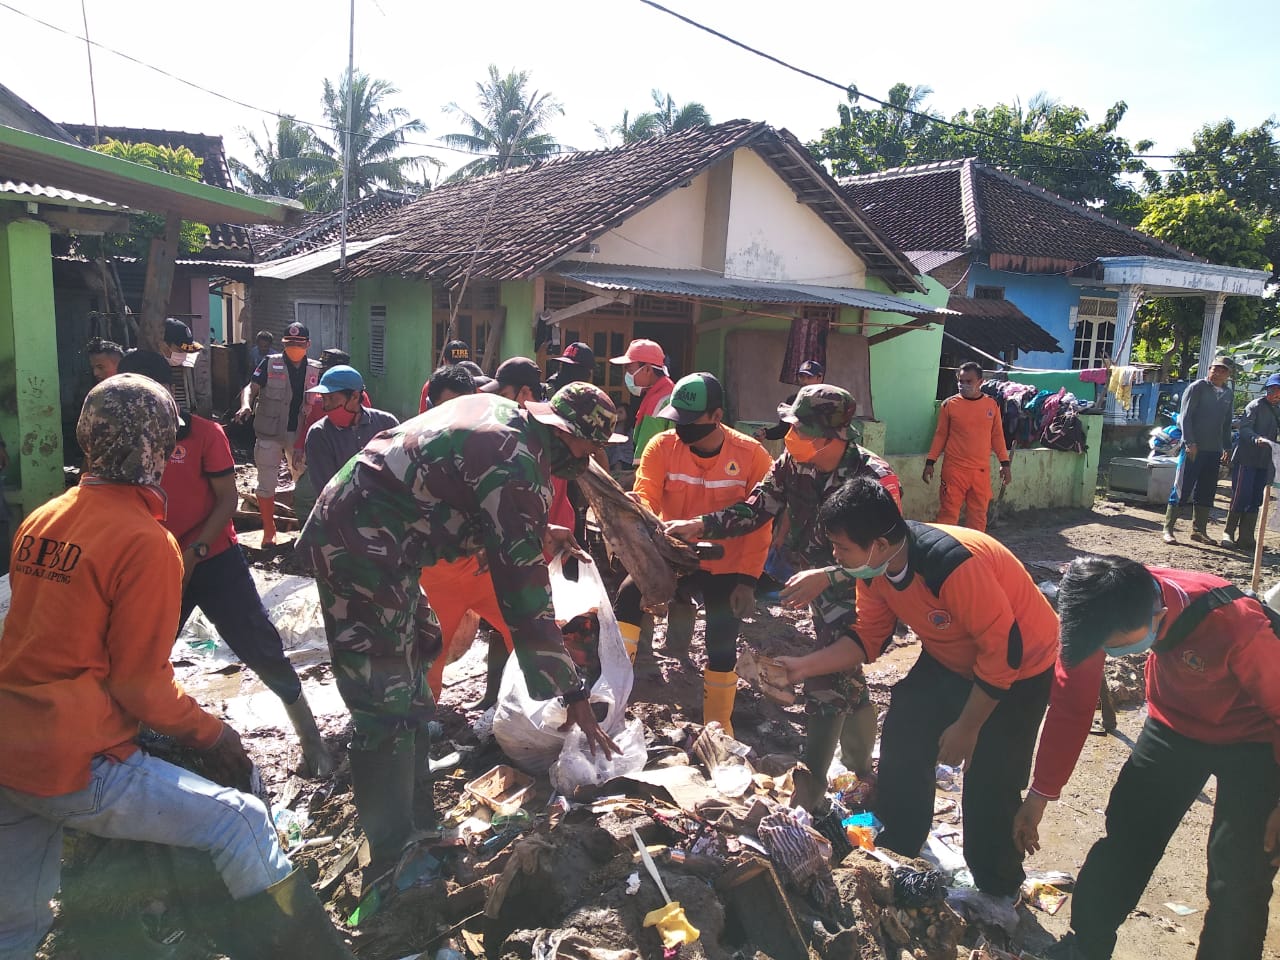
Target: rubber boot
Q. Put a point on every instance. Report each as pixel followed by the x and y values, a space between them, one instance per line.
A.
pixel 719 688
pixel 382 783
pixel 286 921
pixel 495 662
pixel 1170 522
pixel 630 638
pixel 1229 530
pixel 645 663
pixel 315 754
pixel 822 734
pixel 1200 524
pixel 424 797
pixel 267 505
pixel 680 618
pixel 858 739
pixel 1248 531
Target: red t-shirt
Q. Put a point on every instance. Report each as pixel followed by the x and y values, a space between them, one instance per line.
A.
pixel 203 453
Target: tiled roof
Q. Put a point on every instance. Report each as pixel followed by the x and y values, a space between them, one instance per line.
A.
pixel 525 219
pixel 996 325
pixel 272 242
pixel 224 238
pixel 968 206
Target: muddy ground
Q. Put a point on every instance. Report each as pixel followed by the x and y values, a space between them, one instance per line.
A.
pixel 673 696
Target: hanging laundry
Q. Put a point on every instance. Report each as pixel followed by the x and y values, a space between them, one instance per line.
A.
pixel 1095 375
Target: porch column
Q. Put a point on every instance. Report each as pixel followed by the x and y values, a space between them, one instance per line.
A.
pixel 29 361
pixel 1209 335
pixel 1130 297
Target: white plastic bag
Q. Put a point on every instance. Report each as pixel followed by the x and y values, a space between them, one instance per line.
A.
pixel 527 729
pixel 576 767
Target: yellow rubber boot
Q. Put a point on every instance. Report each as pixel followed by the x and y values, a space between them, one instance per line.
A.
pixel 718 692
pixel 630 638
pixel 268 507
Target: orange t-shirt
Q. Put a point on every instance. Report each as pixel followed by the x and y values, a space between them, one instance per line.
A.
pixel 674 483
pixel 84 658
pixel 969 431
pixel 987 620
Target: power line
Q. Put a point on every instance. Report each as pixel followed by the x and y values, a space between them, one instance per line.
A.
pixel 853 92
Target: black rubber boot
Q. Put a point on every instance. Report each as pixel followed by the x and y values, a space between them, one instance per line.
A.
pixel 382 783
pixel 424 798
pixel 680 617
pixel 822 736
pixel 496 662
pixel 1248 531
pixel 283 922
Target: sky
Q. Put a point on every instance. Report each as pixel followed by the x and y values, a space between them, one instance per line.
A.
pixel 1177 63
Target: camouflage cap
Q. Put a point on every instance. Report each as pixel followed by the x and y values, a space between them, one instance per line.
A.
pixel 128 427
pixel 582 409
pixel 822 410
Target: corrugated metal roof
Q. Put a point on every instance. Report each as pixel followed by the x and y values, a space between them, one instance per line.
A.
pixel 290 267
pixel 926 261
pixel 50 193
pixel 711 286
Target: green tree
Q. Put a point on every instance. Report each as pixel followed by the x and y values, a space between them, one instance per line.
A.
pixel 666 118
pixel 288 164
pixel 509 126
pixel 1215 227
pixel 628 131
pixel 1047 142
pixel 379 132
pixel 179 161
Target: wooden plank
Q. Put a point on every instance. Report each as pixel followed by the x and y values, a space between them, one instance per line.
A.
pixel 155 294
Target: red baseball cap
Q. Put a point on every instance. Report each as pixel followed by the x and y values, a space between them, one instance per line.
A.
pixel 643 351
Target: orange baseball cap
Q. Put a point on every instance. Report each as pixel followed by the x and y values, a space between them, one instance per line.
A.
pixel 643 351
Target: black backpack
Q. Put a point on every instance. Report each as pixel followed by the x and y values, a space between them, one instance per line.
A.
pixel 1065 432
pixel 1205 604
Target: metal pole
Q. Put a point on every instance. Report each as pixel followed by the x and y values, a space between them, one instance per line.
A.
pixel 93 92
pixel 346 161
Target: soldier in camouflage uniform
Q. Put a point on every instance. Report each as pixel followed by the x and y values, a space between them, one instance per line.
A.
pixel 822 454
pixel 470 478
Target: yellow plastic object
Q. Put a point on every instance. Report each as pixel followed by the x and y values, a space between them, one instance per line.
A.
pixel 673 926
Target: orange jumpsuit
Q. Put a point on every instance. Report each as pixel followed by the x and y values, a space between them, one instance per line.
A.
pixel 969 431
pixel 452 589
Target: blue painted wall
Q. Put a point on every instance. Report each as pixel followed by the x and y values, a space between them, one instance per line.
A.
pixel 1045 299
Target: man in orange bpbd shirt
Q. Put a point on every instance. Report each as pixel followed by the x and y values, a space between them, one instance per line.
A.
pixel 978 691
pixel 970 429
pixel 700 467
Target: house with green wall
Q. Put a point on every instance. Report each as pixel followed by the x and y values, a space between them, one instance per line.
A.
pixel 729 245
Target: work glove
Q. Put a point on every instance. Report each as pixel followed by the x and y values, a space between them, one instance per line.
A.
pixel 226 762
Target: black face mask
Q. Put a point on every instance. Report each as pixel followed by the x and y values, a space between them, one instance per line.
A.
pixel 693 432
pixel 562 461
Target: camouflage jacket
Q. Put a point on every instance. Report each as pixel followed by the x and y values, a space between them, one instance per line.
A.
pixel 800 489
pixel 467 477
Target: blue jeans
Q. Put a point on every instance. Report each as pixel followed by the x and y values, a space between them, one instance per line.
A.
pixel 141 798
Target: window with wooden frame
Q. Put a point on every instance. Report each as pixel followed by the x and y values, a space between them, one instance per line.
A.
pixel 377 341
pixel 1095 339
pixel 984 292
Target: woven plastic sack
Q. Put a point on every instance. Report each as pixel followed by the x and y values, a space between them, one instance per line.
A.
pixel 526 729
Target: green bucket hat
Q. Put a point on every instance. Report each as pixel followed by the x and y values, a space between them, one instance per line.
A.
pixel 822 410
pixel 582 409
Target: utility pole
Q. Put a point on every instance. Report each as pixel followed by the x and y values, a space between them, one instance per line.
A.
pixel 93 92
pixel 346 161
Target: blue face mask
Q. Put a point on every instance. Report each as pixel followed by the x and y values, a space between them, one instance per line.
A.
pixel 1141 646
pixel 630 381
pixel 868 572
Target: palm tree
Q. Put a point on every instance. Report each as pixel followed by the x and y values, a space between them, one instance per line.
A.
pixel 378 134
pixel 284 165
pixel 509 126
pixel 665 118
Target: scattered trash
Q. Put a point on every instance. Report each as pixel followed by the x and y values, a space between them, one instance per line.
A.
pixel 576 767
pixel 948 778
pixel 767 674
pixel 1181 909
pixel 947 858
pixel 918 888
pixel 290 824
pixel 1043 896
pixel 633 884
pixel 502 789
pixel 673 926
pixel 985 909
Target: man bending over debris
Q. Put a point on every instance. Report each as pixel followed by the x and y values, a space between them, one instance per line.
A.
pixel 702 465
pixel 822 453
pixel 979 688
pixel 199 483
pixel 471 477
pixel 1213 702
pixel 84 660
